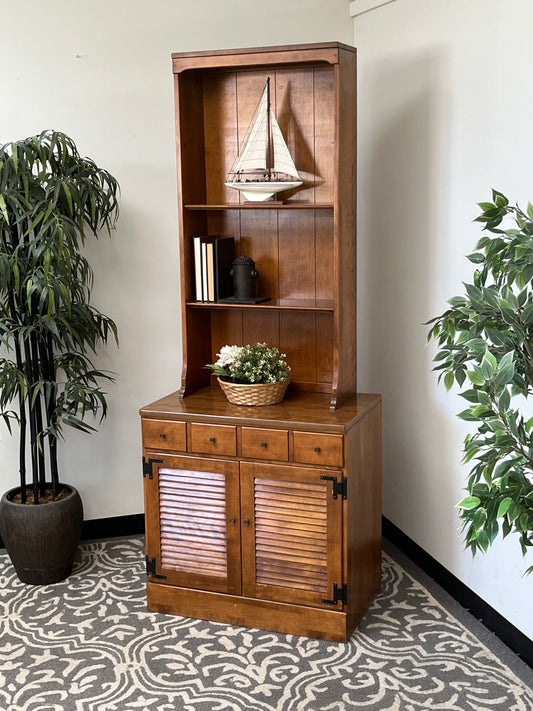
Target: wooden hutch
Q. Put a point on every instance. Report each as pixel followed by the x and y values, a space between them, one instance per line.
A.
pixel 268 516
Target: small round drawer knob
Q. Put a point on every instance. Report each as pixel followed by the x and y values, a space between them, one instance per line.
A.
pixel 264 445
pixel 212 440
pixel 317 450
pixel 163 435
pixel 232 520
pixel 246 521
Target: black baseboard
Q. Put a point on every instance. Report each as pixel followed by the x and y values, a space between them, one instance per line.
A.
pixel 111 527
pixel 502 628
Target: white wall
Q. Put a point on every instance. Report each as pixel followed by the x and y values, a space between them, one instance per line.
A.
pixel 445 114
pixel 100 71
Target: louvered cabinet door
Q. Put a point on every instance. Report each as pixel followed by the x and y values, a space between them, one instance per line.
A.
pixel 291 534
pixel 192 536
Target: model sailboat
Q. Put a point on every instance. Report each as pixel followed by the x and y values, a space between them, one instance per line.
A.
pixel 265 166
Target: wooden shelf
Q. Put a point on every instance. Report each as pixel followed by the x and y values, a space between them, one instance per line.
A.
pixel 263 206
pixel 303 244
pixel 272 305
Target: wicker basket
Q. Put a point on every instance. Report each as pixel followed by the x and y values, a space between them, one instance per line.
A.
pixel 254 394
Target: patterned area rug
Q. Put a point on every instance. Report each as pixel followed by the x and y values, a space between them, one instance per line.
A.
pixel 89 644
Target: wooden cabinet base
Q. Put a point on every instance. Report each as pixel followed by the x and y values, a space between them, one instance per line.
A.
pixel 247 612
pixel 285 536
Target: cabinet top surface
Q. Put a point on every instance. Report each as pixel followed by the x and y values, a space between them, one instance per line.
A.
pixel 297 408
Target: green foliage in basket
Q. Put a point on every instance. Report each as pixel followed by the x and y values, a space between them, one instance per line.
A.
pixel 251 364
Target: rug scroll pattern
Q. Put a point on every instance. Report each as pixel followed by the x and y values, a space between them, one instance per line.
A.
pixel 89 644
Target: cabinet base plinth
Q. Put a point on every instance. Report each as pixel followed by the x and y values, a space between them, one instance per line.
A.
pixel 301 620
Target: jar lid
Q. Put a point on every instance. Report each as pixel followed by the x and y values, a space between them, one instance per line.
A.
pixel 243 259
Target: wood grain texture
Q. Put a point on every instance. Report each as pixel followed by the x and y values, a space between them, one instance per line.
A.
pixel 262 443
pixel 297 255
pixel 221 133
pixel 345 363
pixel 295 115
pixel 305 257
pixel 161 434
pixel 259 240
pixel 248 528
pixel 328 624
pixel 326 52
pixel 213 439
pixel 362 517
pixel 292 543
pixel 318 449
pixel 189 534
pixel 192 516
pixel 298 410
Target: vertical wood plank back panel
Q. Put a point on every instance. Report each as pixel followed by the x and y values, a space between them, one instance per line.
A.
pixel 297 254
pixel 295 115
pixel 324 255
pixel 297 331
pixel 259 240
pixel 221 134
pixel 324 347
pixel 226 223
pixel 262 327
pixel 226 330
pixel 324 133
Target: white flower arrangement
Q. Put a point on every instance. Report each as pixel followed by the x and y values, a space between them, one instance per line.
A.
pixel 251 364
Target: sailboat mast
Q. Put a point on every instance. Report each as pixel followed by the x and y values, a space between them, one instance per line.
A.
pixel 269 134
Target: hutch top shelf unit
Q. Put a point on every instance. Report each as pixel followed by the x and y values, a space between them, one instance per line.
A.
pixel 304 245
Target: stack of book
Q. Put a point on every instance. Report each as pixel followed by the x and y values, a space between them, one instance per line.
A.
pixel 213 257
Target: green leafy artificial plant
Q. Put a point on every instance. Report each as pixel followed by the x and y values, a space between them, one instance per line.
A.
pixel 485 344
pixel 50 199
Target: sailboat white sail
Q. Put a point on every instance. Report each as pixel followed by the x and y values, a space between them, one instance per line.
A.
pixel 265 166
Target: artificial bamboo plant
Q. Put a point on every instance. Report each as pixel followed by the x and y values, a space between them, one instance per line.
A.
pixel 51 198
pixel 486 348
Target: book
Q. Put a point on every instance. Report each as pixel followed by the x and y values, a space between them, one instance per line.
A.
pixel 224 254
pixel 203 244
pixel 210 259
pixel 213 257
pixel 197 268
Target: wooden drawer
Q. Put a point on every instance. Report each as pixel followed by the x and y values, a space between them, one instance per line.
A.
pixel 164 434
pixel 213 439
pixel 315 448
pixel 259 443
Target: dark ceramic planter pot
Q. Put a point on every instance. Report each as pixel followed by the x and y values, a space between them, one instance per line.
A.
pixel 42 540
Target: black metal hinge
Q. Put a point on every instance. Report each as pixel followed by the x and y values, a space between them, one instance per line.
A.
pixel 150 569
pixel 340 594
pixel 340 488
pixel 147 467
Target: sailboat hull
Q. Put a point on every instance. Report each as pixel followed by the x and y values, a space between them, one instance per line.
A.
pixel 261 191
